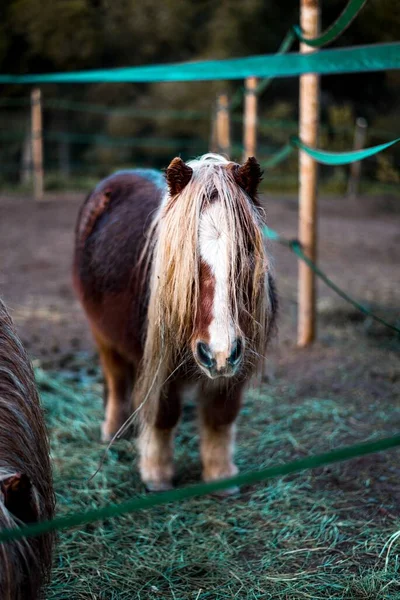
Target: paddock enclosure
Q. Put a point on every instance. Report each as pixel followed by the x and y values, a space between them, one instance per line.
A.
pixel 319 533
pixel 317 514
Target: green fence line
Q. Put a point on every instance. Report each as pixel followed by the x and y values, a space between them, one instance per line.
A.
pixel 341 158
pixel 201 489
pixel 374 57
pixel 335 30
pixel 283 48
pixel 113 510
pixel 262 86
pixel 278 157
pixel 55 104
pixel 332 33
pixel 115 141
pixel 322 156
pixel 295 246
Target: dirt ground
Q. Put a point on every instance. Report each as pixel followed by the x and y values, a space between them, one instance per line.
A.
pixel 359 248
pixel 318 535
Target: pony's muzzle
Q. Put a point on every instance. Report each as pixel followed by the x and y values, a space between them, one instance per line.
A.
pixel 219 364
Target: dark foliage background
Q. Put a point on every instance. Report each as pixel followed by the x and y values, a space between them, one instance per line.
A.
pixel 62 35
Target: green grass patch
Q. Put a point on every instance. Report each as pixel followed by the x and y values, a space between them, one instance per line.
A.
pixel 315 535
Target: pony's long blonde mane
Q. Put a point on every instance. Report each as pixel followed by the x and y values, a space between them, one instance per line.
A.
pixel 174 281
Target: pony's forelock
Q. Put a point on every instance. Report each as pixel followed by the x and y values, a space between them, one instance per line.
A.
pixel 174 281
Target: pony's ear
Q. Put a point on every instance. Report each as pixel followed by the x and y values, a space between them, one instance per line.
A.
pixel 178 175
pixel 18 499
pixel 248 176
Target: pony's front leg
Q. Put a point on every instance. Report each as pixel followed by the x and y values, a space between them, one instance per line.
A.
pixel 219 406
pixel 155 442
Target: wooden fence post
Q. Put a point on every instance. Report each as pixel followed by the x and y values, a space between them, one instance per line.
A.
pixel 37 143
pixel 250 118
pixel 360 136
pixel 309 115
pixel 223 125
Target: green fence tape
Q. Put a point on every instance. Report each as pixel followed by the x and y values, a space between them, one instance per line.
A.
pixel 284 47
pixel 201 489
pixel 333 32
pixel 375 57
pixel 295 246
pixel 279 157
pixel 58 104
pixel 341 158
pixel 252 477
pixel 262 86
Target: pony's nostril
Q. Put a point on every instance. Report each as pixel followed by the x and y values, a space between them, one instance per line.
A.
pixel 236 353
pixel 204 355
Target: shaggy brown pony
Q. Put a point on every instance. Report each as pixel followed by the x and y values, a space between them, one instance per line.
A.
pixel 26 487
pixel 177 286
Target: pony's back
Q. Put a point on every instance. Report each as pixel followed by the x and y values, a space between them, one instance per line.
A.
pixel 110 237
pixel 26 488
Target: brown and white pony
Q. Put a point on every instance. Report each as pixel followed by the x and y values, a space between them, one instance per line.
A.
pixel 176 284
pixel 26 487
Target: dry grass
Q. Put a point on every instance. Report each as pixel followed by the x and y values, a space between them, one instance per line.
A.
pixel 314 535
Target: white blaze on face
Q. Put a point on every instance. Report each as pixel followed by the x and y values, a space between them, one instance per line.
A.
pixel 214 251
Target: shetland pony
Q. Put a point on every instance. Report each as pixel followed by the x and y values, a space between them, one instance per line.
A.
pixel 177 287
pixel 26 488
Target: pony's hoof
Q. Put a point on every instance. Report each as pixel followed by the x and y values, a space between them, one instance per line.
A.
pixel 158 486
pixel 105 434
pixel 222 473
pixel 157 476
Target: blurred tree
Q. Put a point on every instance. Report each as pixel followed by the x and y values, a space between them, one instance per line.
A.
pixel 53 35
pixel 55 30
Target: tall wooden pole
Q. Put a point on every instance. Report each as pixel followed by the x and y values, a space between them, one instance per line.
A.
pixel 309 115
pixel 250 118
pixel 360 136
pixel 37 143
pixel 223 125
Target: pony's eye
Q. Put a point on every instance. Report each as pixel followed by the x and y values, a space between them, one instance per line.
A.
pixel 214 196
